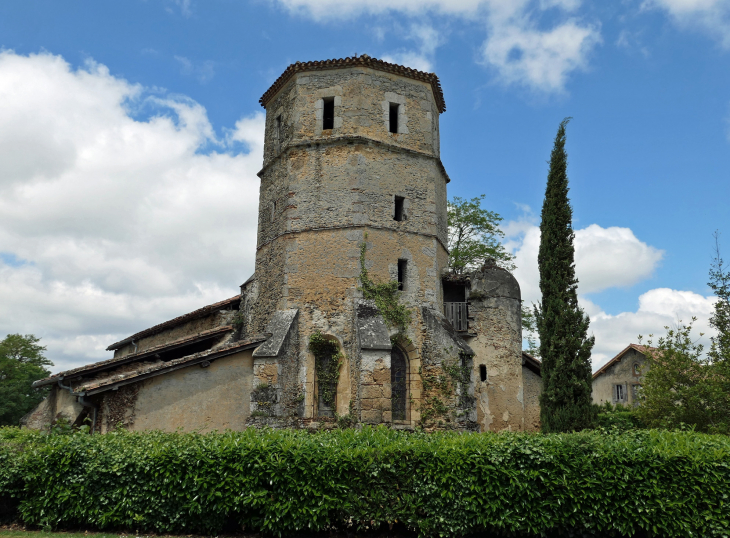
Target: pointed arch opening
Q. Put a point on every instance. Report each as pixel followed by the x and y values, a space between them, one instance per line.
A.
pixel 399 384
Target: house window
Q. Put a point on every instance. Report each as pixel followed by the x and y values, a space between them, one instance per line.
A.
pixel 393 124
pixel 402 270
pixel 398 383
pixel 398 213
pixel 618 391
pixel 635 390
pixel 328 113
pixel 483 372
pixel 637 369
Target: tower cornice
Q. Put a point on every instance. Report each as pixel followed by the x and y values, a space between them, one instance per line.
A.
pixel 356 61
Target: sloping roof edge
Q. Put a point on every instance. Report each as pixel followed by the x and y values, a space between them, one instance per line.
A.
pixel 116 362
pixel 532 363
pixel 165 367
pixel 356 61
pixel 199 313
pixel 617 358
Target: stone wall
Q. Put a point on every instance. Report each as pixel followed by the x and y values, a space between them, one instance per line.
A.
pixel 495 306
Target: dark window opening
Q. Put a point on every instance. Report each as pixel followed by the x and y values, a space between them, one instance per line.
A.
pixel 482 372
pixel 273 211
pixel 394 117
pixel 278 131
pixel 454 293
pixel 402 268
pixel 399 214
pixel 398 383
pixel 328 113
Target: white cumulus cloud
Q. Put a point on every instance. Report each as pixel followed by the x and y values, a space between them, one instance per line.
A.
pixel 119 207
pixel 711 16
pixel 518 47
pixel 604 258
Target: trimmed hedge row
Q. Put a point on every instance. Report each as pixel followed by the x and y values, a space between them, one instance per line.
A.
pixel 282 482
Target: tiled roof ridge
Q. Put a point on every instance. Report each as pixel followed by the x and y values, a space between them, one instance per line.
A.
pixel 92 385
pixel 356 61
pixel 640 348
pixel 126 358
pixel 174 321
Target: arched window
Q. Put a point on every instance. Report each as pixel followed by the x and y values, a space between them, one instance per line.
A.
pixel 398 383
pixel 637 369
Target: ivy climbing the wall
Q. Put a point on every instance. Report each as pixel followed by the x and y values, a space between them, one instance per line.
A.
pixel 385 295
pixel 327 361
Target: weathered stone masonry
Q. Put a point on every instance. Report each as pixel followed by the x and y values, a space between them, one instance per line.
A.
pixel 351 158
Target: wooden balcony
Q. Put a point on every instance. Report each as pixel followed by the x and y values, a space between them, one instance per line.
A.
pixel 456 313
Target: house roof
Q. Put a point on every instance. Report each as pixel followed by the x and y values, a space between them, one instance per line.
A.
pixel 617 358
pixel 356 61
pixel 147 370
pixel 532 363
pixel 132 357
pixel 201 312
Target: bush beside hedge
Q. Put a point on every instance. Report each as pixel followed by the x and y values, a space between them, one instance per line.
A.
pixel 282 482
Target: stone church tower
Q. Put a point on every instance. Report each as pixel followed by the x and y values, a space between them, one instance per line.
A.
pixel 352 179
pixel 352 156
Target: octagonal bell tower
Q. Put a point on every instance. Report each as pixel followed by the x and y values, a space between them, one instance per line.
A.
pixel 351 156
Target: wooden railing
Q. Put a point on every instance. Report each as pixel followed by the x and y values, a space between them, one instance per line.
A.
pixel 456 314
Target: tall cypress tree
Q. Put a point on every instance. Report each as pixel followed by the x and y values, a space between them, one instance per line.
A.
pixel 565 349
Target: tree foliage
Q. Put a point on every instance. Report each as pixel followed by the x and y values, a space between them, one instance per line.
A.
pixel 474 236
pixel 21 362
pixel 720 319
pixel 565 348
pixel 683 386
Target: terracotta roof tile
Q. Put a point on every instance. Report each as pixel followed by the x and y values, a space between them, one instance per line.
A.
pixel 356 61
pixel 116 361
pixel 175 321
pixel 147 368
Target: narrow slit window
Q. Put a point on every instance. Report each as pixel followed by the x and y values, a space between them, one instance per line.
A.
pixel 402 269
pixel 328 113
pixel 394 108
pixel 273 211
pixel 482 372
pixel 398 213
pixel 278 131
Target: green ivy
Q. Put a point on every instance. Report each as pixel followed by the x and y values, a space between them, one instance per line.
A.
pixel 327 361
pixel 385 295
pixel 645 483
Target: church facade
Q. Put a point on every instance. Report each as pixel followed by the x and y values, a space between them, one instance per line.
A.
pixel 352 189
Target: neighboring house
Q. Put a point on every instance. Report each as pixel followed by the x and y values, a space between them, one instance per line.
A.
pixel 619 380
pixel 351 156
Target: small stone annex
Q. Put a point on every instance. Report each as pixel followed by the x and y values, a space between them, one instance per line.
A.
pixel 352 188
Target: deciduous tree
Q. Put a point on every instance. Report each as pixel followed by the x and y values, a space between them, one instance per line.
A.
pixel 474 236
pixel 21 362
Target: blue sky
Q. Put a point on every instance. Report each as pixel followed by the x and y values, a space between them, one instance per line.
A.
pixel 130 134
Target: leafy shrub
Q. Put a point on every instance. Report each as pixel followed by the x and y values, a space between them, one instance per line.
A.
pixel 284 482
pixel 619 417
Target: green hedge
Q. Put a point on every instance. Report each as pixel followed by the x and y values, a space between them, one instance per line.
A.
pixel 282 482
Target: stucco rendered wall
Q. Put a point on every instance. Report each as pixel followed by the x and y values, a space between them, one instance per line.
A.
pixel 197 399
pixel 532 388
pixel 621 372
